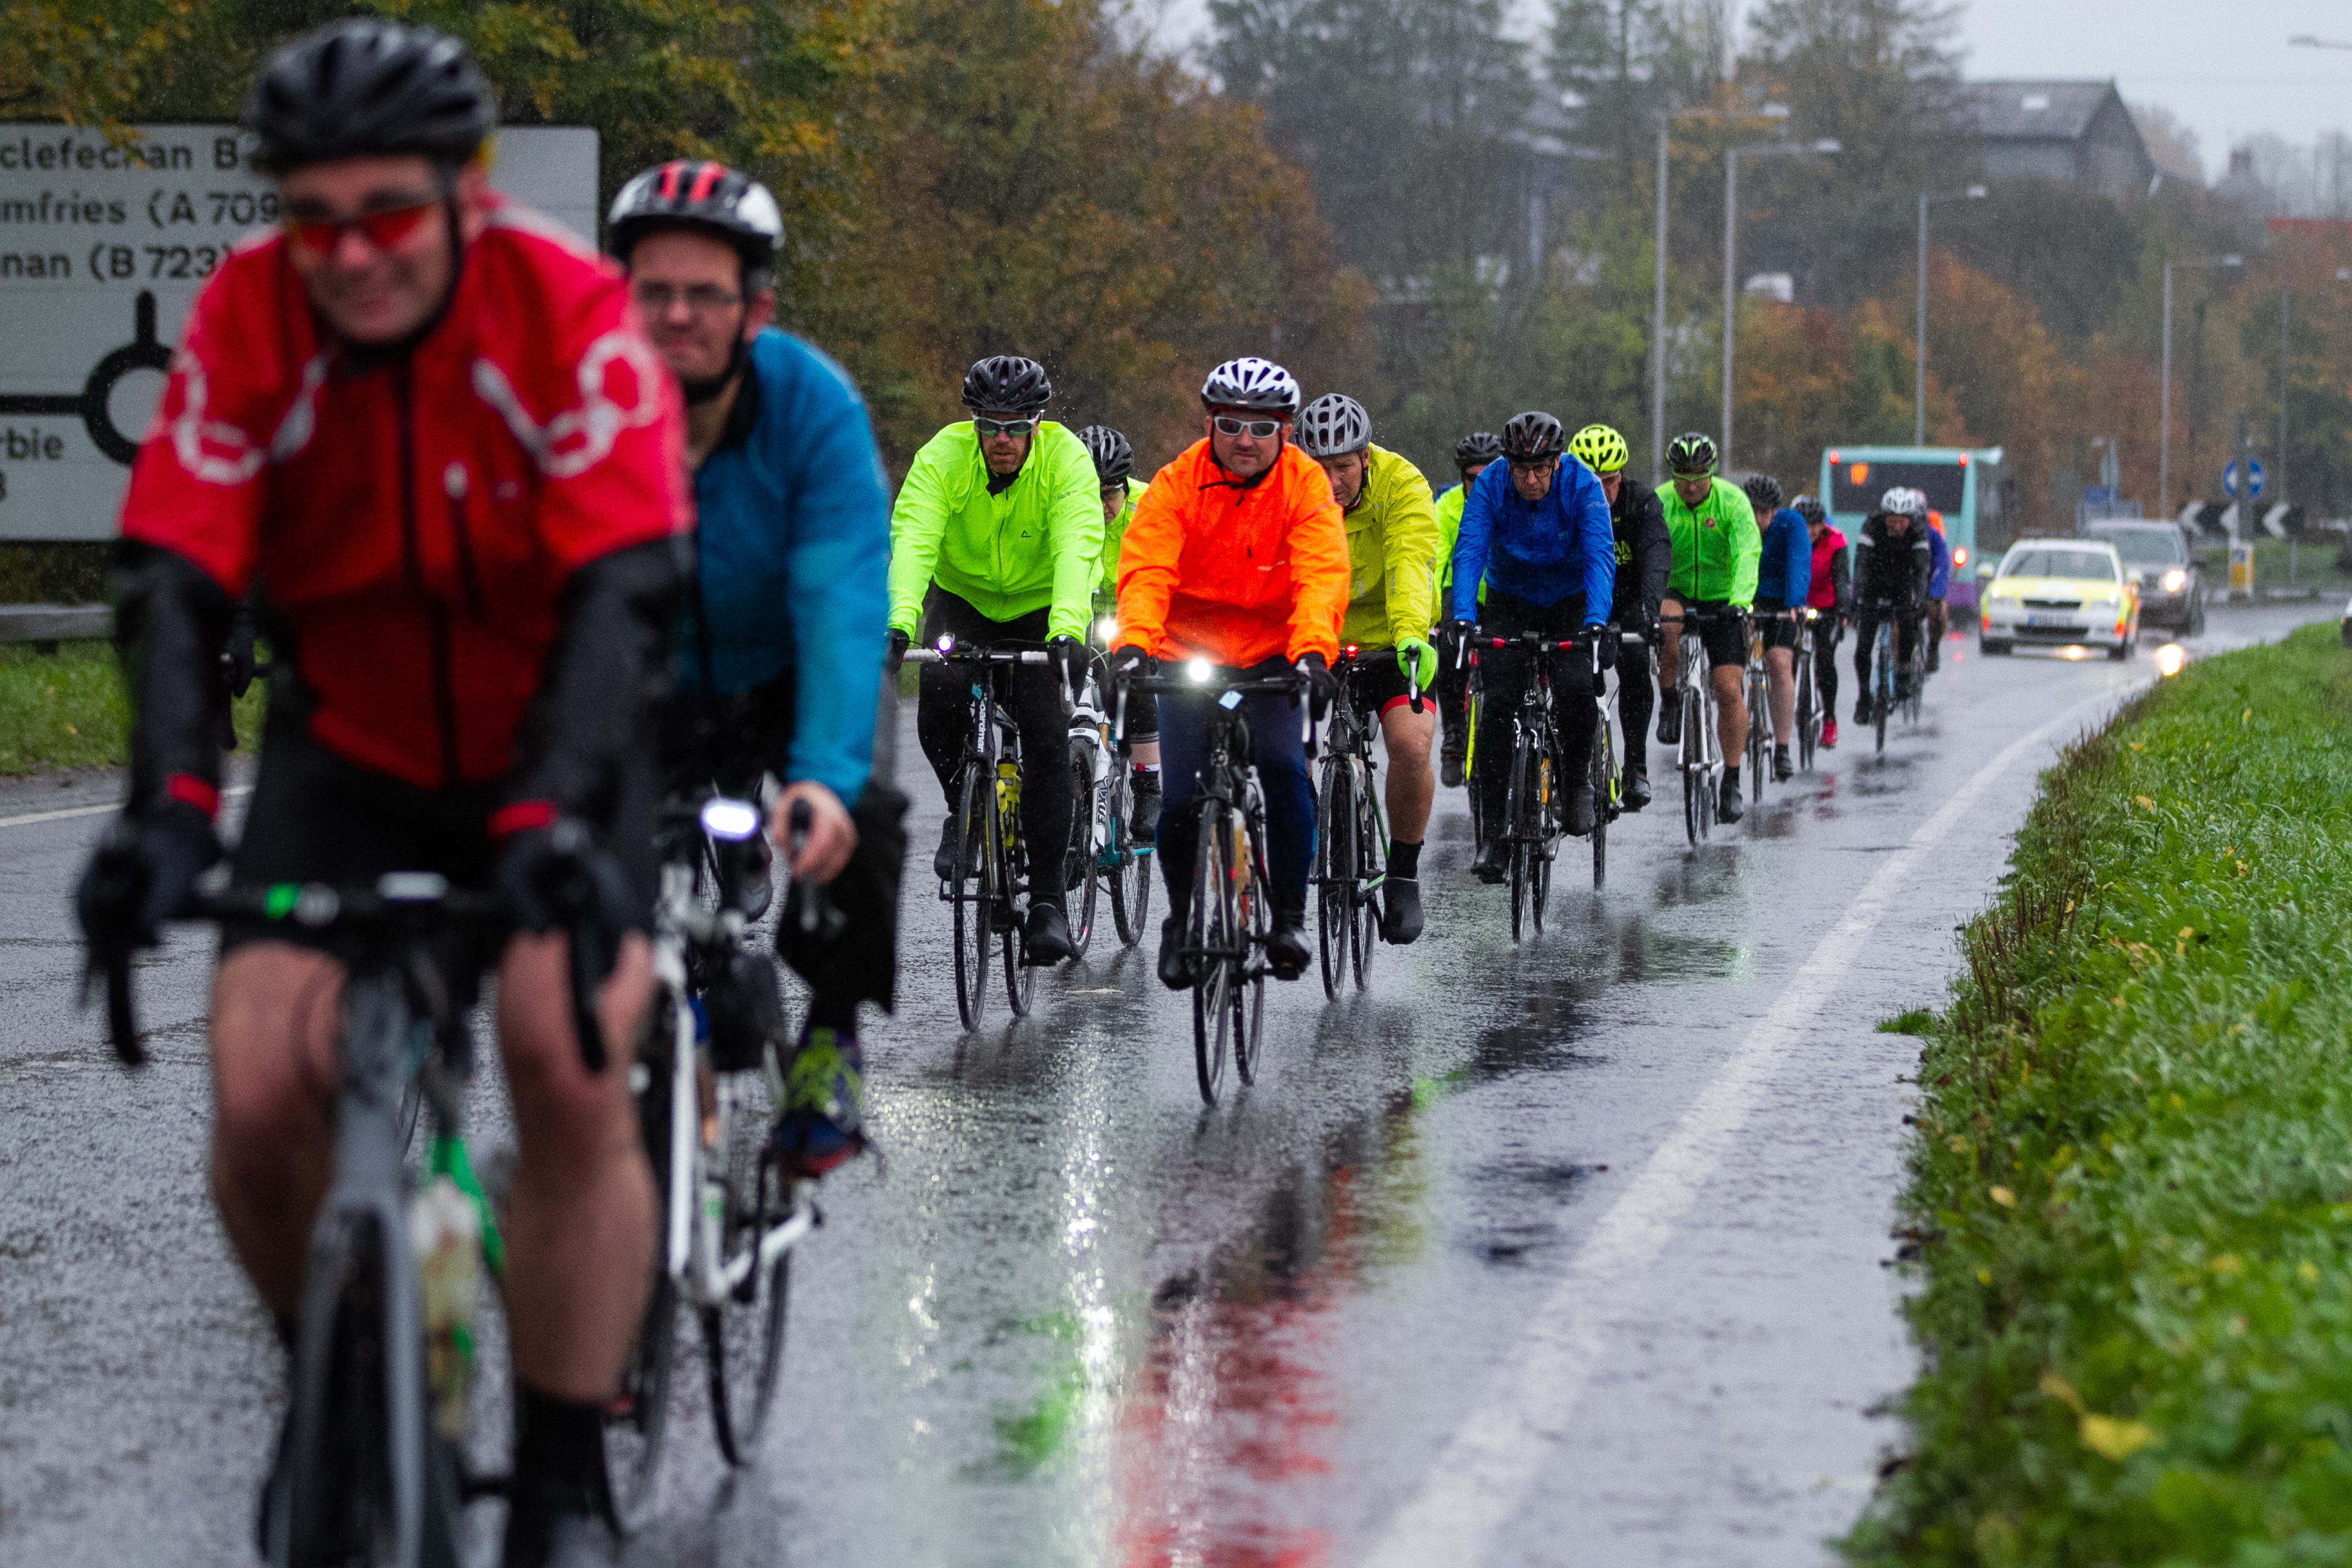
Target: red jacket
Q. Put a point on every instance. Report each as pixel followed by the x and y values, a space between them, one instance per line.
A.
pixel 1830 586
pixel 415 522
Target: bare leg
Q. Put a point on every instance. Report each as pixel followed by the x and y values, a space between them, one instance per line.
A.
pixel 1781 663
pixel 1412 786
pixel 1670 648
pixel 1144 753
pixel 1731 711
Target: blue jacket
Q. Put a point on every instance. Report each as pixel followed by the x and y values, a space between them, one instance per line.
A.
pixel 1786 573
pixel 792 548
pixel 1940 563
pixel 1561 545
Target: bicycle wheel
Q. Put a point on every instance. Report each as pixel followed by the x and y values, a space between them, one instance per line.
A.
pixel 1693 774
pixel 1253 923
pixel 1081 873
pixel 1548 830
pixel 743 1336
pixel 1364 927
pixel 1759 721
pixel 1007 872
pixel 1335 870
pixel 1604 798
pixel 1215 934
pixel 1808 722
pixel 1130 870
pixel 636 1420
pixel 1517 807
pixel 974 928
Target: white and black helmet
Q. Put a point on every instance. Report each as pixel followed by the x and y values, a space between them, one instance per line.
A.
pixel 695 194
pixel 1252 382
pixel 1333 425
pixel 1904 500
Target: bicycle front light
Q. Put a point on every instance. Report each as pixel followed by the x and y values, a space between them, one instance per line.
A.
pixel 1107 629
pixel 947 643
pixel 1197 671
pixel 730 821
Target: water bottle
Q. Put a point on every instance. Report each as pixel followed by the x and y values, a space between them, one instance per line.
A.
pixel 445 1229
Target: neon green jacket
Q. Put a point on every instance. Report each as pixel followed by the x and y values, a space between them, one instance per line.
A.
pixel 1113 532
pixel 1449 527
pixel 1392 554
pixel 1716 547
pixel 1035 546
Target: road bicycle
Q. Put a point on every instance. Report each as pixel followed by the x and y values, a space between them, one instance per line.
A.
pixel 1103 855
pixel 1699 754
pixel 1917 668
pixel 1756 691
pixel 372 1466
pixel 1532 804
pixel 1608 768
pixel 730 1214
pixel 1882 681
pixel 1351 836
pixel 1809 707
pixel 1231 913
pixel 991 896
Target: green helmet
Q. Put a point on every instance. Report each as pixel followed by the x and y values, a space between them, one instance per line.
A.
pixel 1691 455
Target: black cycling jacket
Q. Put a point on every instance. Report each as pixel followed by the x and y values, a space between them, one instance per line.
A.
pixel 1645 555
pixel 1891 569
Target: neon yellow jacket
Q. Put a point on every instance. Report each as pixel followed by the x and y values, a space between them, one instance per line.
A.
pixel 1449 528
pixel 1113 532
pixel 1036 546
pixel 1391 554
pixel 1716 547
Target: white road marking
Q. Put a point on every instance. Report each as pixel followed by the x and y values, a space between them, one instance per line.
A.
pixel 1478 1483
pixel 30 817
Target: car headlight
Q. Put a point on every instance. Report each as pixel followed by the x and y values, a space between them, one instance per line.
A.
pixel 2175 580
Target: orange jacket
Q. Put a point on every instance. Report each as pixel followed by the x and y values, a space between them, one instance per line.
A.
pixel 1234 574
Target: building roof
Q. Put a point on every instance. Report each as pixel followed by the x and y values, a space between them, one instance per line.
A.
pixel 2034 110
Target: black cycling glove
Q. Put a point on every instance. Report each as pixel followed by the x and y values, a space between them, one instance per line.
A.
pixel 1321 684
pixel 1130 663
pixel 896 655
pixel 1070 654
pixel 142 873
pixel 1605 645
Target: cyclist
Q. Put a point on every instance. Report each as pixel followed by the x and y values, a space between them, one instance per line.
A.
pixel 1783 578
pixel 1385 506
pixel 1890 582
pixel 1115 472
pixel 1643 553
pixel 780 646
pixel 424 424
pixel 1237 555
pixel 1716 551
pixel 1536 532
pixel 997 538
pixel 1940 577
pixel 1471 456
pixel 1830 594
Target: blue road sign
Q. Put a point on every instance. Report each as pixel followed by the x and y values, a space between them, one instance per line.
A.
pixel 2229 479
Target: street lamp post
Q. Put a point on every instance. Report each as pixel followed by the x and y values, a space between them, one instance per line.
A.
pixel 1919 351
pixel 1731 251
pixel 2164 414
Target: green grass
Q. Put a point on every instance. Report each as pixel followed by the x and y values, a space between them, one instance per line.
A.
pixel 67 710
pixel 2131 1202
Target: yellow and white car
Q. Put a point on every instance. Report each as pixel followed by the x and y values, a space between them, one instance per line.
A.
pixel 2061 593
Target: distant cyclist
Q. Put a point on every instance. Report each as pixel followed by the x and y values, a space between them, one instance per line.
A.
pixel 1391 556
pixel 1783 578
pixel 1716 550
pixel 1115 472
pixel 1536 532
pixel 1237 555
pixel 996 538
pixel 1939 578
pixel 1830 596
pixel 1471 456
pixel 781 640
pixel 1890 583
pixel 1644 553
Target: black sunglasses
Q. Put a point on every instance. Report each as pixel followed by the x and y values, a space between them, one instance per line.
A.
pixel 1227 424
pixel 1004 427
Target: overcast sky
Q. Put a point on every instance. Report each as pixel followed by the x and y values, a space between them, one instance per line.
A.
pixel 2223 68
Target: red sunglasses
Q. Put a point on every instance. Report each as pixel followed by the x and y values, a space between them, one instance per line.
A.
pixel 322 237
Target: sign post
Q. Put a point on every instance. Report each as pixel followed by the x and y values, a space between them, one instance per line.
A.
pixel 2242 549
pixel 102 248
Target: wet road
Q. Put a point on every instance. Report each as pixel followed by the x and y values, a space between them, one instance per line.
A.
pixel 1568 1252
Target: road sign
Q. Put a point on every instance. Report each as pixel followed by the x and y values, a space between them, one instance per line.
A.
pixel 2098 495
pixel 2230 478
pixel 102 248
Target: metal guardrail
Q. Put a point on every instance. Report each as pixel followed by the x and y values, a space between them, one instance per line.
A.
pixel 53 623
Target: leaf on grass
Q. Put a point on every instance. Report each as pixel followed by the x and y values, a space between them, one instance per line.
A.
pixel 1984 1276
pixel 2307 1271
pixel 2002 1196
pixel 2144 803
pixel 2226 1264
pixel 2112 1439
pixel 2059 1389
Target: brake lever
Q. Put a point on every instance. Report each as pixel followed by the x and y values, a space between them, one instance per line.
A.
pixel 819 916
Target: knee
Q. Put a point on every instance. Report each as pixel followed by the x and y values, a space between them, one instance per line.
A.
pixel 562 1110
pixel 275 1014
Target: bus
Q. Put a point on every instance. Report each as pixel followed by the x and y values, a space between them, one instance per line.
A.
pixel 1965 488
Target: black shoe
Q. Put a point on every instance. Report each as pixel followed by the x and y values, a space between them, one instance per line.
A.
pixel 1175 964
pixel 1728 807
pixel 1637 786
pixel 1400 910
pixel 546 1529
pixel 1286 950
pixel 1047 938
pixel 1577 802
pixel 1670 722
pixel 943 864
pixel 1934 655
pixel 1784 767
pixel 1861 709
pixel 1903 689
pixel 1493 863
pixel 1449 765
pixel 1143 826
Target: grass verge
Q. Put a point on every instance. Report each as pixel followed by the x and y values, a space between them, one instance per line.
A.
pixel 2130 1215
pixel 67 710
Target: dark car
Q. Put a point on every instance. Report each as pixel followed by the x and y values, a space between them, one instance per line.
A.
pixel 2171 583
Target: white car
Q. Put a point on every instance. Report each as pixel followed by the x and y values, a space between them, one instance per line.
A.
pixel 2061 593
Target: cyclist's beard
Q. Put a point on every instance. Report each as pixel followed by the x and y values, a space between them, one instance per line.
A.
pixel 701 389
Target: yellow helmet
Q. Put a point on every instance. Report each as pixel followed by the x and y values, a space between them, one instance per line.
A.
pixel 1600 448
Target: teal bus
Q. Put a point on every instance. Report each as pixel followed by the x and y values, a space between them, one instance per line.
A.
pixel 1967 491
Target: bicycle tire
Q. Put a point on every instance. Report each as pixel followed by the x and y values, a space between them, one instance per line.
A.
pixel 1335 877
pixel 1008 857
pixel 743 1336
pixel 1757 697
pixel 1547 824
pixel 636 1419
pixel 1214 931
pixel 1604 799
pixel 1253 923
pixel 1807 725
pixel 1364 908
pixel 1694 773
pixel 1130 869
pixel 1094 801
pixel 974 929
pixel 1515 815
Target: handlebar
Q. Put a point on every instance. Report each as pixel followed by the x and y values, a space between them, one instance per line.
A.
pixel 977 656
pixel 1365 658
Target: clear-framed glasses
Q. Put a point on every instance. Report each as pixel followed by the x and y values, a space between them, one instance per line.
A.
pixel 1227 424
pixel 702 299
pixel 1004 427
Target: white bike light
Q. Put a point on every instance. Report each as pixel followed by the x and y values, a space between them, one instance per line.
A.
pixel 1197 671
pixel 731 821
pixel 946 644
pixel 1107 629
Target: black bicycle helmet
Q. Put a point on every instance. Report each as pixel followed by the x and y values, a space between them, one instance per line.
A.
pixel 1692 454
pixel 364 85
pixel 1007 384
pixel 1763 494
pixel 1477 450
pixel 1253 383
pixel 1333 425
pixel 1532 436
pixel 1810 509
pixel 1114 458
pixel 689 192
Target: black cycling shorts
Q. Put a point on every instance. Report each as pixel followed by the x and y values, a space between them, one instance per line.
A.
pixel 1381 685
pixel 1780 630
pixel 1724 636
